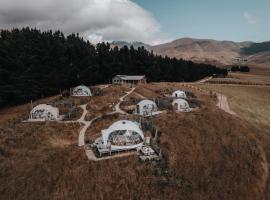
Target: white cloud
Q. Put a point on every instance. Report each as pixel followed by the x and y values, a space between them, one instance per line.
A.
pixel 251 19
pixel 96 20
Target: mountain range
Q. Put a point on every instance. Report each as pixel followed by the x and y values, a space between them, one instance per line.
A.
pixel 220 53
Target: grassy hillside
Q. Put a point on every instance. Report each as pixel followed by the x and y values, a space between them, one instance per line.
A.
pixel 209 155
pixel 251 103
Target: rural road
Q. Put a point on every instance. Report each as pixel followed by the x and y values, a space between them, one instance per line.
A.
pixel 222 99
pixel 223 104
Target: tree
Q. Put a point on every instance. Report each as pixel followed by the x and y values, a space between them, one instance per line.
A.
pixel 34 64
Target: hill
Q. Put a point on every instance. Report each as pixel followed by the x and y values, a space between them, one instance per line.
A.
pixel 215 52
pixel 204 159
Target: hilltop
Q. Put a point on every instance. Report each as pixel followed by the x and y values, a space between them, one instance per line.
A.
pixel 220 53
pixel 204 159
pixel 209 51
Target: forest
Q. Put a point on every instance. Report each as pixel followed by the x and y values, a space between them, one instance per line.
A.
pixel 36 64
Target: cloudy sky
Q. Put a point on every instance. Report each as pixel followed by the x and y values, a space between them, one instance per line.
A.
pixel 149 21
pixel 237 20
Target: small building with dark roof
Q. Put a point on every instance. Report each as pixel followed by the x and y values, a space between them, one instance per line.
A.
pixel 126 79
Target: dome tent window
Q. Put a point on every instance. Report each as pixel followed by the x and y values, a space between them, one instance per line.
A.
pixel 121 135
pixel 81 91
pixel 181 105
pixel 179 94
pixel 44 112
pixel 146 108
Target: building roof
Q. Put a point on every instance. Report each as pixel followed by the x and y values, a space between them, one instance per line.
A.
pixel 130 78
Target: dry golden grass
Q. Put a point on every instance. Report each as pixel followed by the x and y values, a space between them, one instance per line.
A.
pixel 42 161
pixel 210 155
pixel 213 155
pixel 154 90
pixel 94 131
pixel 263 69
pixel 15 112
pixel 10 114
pixel 250 77
pixel 251 103
pixel 105 103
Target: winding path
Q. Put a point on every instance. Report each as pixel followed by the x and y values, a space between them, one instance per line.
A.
pixel 117 106
pixel 87 124
pixel 81 141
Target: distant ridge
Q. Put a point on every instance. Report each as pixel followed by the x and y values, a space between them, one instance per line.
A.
pixel 136 45
pixel 215 52
pixel 208 51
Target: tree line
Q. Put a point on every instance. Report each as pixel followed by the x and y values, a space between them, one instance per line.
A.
pixel 237 68
pixel 35 64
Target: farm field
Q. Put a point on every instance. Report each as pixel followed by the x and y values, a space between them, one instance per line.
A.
pixel 260 69
pixel 204 158
pixel 242 79
pixel 259 74
pixel 249 77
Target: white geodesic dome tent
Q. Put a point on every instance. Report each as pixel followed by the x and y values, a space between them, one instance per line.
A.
pixel 146 107
pixel 181 105
pixel 179 94
pixel 81 91
pixel 44 112
pixel 122 135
